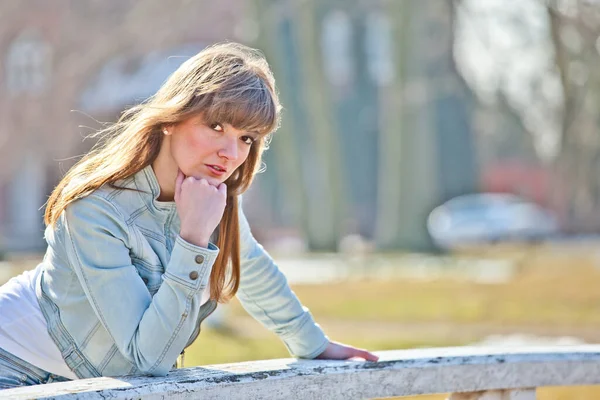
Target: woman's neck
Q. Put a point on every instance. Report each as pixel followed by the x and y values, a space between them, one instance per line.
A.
pixel 165 170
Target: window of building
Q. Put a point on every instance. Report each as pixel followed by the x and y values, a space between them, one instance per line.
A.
pixel 28 64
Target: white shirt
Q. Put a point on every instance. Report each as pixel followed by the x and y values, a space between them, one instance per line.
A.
pixel 23 329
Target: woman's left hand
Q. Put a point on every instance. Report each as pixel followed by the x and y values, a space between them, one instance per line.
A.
pixel 339 351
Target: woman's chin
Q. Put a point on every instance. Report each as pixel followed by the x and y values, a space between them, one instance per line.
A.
pixel 212 180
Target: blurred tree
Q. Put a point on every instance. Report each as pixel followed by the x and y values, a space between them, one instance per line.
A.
pixel 575 34
pixel 353 37
pixel 502 135
pixel 427 148
pixel 306 150
pixel 540 58
pixel 326 204
pixel 273 38
pixel 392 177
pixel 453 105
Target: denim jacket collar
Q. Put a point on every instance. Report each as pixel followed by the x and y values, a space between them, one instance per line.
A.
pixel 147 183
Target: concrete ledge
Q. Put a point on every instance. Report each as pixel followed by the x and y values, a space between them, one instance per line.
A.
pixel 398 373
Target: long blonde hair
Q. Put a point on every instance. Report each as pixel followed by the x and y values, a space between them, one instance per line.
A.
pixel 226 83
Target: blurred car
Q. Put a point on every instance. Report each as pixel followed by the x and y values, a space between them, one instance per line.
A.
pixel 485 218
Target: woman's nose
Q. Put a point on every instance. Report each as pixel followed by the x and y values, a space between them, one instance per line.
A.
pixel 229 149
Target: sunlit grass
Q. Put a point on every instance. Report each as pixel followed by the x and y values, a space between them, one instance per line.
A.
pixel 531 300
pixel 218 346
pixel 548 289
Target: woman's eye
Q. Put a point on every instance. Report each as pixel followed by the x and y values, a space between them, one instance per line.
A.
pixel 216 127
pixel 248 139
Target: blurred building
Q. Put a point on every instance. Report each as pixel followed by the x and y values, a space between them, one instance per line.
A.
pixel 95 57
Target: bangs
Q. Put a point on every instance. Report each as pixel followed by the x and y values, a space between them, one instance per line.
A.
pixel 247 106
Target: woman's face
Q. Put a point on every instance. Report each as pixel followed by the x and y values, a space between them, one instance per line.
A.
pixel 210 150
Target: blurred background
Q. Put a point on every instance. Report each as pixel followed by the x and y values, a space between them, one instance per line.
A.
pixel 434 181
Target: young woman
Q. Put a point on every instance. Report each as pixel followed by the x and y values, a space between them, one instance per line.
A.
pixel 130 271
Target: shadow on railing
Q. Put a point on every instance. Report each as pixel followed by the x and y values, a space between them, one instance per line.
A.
pixel 468 372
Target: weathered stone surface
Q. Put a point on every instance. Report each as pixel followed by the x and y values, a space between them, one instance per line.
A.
pixel 398 373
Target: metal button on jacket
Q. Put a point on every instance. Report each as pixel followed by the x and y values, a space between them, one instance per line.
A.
pixel 199 259
pixel 194 275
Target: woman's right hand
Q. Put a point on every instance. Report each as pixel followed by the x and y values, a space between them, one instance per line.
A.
pixel 200 206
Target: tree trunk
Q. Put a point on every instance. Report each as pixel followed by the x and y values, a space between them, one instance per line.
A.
pixel 287 162
pixel 326 206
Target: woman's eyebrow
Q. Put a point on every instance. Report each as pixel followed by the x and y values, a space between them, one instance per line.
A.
pixel 249 132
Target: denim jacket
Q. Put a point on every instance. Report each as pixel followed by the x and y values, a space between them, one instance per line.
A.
pixel 121 290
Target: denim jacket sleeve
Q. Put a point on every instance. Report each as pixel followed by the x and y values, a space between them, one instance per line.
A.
pixel 148 331
pixel 265 294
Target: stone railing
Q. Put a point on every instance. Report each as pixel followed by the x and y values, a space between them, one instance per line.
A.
pixel 468 372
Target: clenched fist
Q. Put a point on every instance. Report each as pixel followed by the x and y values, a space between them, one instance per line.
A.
pixel 200 206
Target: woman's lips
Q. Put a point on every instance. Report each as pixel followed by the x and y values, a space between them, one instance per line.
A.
pixel 216 170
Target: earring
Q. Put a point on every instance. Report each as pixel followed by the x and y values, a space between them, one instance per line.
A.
pixel 165 131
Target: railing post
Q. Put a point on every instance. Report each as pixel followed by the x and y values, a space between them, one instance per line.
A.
pixel 507 394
